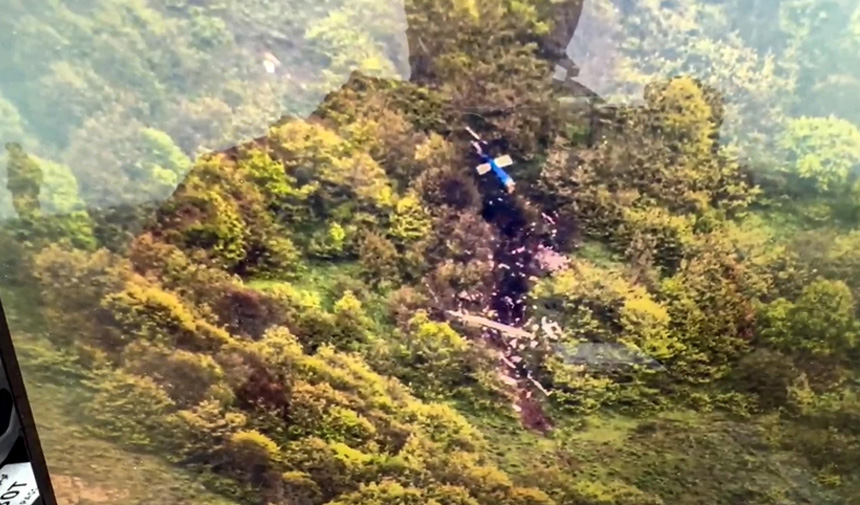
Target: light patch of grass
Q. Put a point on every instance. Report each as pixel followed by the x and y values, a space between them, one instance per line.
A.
pixel 328 280
pixel 604 429
pixel 599 254
pixel 88 470
pixel 265 284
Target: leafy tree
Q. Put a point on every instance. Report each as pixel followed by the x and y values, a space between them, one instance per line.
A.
pixel 351 324
pixel 711 309
pixel 189 378
pixel 150 313
pixel 247 312
pixel 599 306
pixel 319 410
pixel 379 260
pixel 24 179
pixel 385 493
pixel 433 359
pixel 64 213
pixel 213 334
pixel 203 431
pixel 130 407
pixel 768 374
pixel 410 222
pixel 75 283
pixel 255 461
pixel 444 426
pixel 334 467
pixel 821 322
pixel 822 151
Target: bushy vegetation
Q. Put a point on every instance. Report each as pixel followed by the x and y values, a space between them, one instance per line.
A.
pixel 277 321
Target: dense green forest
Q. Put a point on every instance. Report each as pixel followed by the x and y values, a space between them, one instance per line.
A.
pixel 251 275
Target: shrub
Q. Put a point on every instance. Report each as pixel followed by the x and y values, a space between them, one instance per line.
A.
pixel 247 312
pixel 131 409
pixel 73 284
pixel 335 468
pixel 201 432
pixel 148 312
pixel 187 377
pixel 318 410
pixel 385 493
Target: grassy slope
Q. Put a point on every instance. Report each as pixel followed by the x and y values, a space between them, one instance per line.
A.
pixel 86 470
pixel 687 458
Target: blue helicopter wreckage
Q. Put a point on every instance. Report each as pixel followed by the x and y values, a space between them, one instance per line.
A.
pixel 492 164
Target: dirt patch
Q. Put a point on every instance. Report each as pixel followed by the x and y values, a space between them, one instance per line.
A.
pixel 74 491
pixel 532 414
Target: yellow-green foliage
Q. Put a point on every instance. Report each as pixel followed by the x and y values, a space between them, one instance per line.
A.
pixel 379 260
pixel 654 236
pixel 690 38
pixel 306 393
pixel 611 493
pixel 279 348
pixel 684 113
pixel 252 454
pixel 710 308
pixel 321 411
pixel 253 448
pixel 820 322
pixel 219 230
pixel 24 179
pixel 202 431
pixel 73 283
pixel 343 176
pixel 301 488
pixel 410 221
pixel 132 408
pixel 444 426
pixel 822 150
pixel 188 377
pixel 148 312
pixel 430 357
pixel 164 159
pixel 654 174
pixel 351 324
pixel 63 213
pixel 385 493
pixel 329 242
pixel 601 305
pixel 280 187
pixel 333 467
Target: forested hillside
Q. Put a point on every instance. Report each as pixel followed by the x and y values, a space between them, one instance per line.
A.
pixel 280 300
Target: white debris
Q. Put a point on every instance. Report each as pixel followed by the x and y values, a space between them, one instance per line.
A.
pixel 538 385
pixel 270 62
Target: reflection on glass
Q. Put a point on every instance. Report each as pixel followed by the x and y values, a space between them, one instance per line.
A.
pixel 486 252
